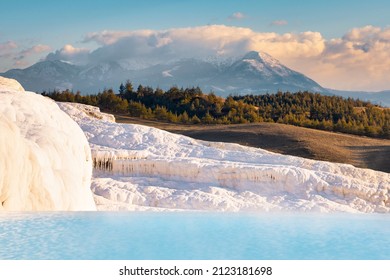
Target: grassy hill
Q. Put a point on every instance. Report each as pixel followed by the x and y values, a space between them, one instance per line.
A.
pixel 192 106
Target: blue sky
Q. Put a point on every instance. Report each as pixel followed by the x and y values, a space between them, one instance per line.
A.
pixel 30 30
pixel 45 19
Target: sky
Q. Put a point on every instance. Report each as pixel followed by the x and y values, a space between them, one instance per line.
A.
pixel 340 44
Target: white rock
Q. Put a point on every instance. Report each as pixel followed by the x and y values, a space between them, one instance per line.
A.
pixel 45 159
pixel 141 166
pixel 10 84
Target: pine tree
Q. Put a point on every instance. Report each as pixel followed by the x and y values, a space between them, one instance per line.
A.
pixel 122 89
pixel 195 120
pixel 129 86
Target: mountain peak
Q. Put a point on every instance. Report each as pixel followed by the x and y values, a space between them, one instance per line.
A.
pixel 252 55
pixel 261 57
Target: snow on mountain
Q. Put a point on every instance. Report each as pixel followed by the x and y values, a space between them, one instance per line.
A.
pixel 262 62
pixel 101 71
pixel 167 73
pixel 134 64
pixel 253 73
pixel 221 61
pixel 143 168
pixel 259 73
pixel 45 159
pixel 46 75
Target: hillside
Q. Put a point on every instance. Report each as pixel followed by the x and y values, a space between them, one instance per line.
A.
pixel 361 152
pixel 191 105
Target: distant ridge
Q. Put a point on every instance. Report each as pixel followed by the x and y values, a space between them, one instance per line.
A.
pixel 253 73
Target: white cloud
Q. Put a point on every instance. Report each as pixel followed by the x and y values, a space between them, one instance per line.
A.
pixel 201 41
pixel 13 56
pixel 279 22
pixel 7 48
pixel 107 37
pixel 359 60
pixel 236 16
pixel 23 58
pixel 70 53
pixel 37 49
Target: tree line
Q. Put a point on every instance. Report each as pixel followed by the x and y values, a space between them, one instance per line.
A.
pixel 192 106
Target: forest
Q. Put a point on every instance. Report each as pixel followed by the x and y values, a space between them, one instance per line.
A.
pixel 192 106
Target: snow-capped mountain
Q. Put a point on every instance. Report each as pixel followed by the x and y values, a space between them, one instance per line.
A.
pixel 45 75
pixel 253 73
pixel 259 72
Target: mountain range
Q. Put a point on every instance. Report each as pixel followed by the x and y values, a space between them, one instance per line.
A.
pixel 255 73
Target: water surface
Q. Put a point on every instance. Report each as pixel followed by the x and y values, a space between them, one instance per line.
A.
pixel 204 236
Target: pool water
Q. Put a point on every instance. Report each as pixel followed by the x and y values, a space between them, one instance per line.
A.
pixel 201 236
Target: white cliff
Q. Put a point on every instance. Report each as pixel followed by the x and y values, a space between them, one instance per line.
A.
pixel 45 159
